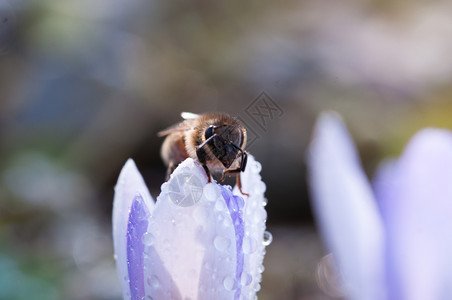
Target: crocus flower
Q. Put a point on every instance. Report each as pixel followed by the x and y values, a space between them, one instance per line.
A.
pixel 392 240
pixel 198 241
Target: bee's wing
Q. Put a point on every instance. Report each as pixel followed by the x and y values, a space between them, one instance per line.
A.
pixel 188 115
pixel 179 127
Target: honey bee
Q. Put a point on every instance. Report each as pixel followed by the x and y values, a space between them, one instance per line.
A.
pixel 216 140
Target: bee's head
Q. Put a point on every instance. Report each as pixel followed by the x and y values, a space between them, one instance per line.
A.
pixel 226 142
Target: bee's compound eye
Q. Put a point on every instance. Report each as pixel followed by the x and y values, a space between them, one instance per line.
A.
pixel 209 132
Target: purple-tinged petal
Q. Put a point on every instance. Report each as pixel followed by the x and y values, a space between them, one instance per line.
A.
pixel 415 198
pixel 345 209
pixel 254 216
pixel 130 186
pixel 192 236
pixel 137 227
pixel 235 206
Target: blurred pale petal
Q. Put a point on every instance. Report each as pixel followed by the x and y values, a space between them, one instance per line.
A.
pixel 196 235
pixel 255 217
pixel 415 197
pixel 129 189
pixel 345 209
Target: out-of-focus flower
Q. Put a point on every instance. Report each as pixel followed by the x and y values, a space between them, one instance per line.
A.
pixel 198 241
pixel 393 241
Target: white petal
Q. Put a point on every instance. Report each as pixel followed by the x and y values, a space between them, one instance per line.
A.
pixel 254 217
pixel 415 196
pixel 193 253
pixel 345 209
pixel 130 185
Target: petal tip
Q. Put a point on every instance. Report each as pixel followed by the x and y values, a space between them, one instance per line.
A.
pixel 326 118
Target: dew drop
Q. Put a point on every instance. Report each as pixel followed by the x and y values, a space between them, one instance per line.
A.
pixel 240 202
pixel 147 239
pixel 268 238
pixel 257 167
pixel 221 243
pixel 164 187
pixel 246 279
pixel 257 287
pixel 264 202
pixel 220 205
pixel 153 282
pixel 227 222
pixel 220 217
pixel 208 266
pixel 115 257
pixel 229 283
pixel 249 245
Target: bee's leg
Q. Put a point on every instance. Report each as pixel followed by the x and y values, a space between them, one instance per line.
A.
pixel 236 171
pixel 171 167
pixel 201 156
pixel 202 160
pixel 241 168
pixel 238 181
pixel 239 185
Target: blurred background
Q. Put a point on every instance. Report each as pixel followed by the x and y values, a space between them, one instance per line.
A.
pixel 84 85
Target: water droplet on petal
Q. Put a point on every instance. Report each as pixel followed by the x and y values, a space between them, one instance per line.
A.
pixel 246 279
pixel 220 205
pixel 207 266
pixel 264 202
pixel 249 245
pixel 257 287
pixel 147 239
pixel 229 283
pixel 153 282
pixel 220 217
pixel 227 222
pixel 268 238
pixel 256 167
pixel 221 243
pixel 164 187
